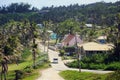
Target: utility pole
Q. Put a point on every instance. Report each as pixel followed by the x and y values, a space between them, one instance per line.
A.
pixel 48 44
pixel 78 51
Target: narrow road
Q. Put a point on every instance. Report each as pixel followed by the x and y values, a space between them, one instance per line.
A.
pixel 52 73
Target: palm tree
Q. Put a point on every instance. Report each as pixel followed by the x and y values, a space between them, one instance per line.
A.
pixel 114 37
pixel 34 35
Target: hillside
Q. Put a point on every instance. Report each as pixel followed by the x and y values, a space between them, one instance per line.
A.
pixel 99 13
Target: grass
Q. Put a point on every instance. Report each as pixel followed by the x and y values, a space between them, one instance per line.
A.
pixel 75 75
pixel 27 76
pixel 19 66
pixel 32 77
pixel 33 74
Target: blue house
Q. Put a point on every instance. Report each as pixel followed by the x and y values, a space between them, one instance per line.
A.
pixel 102 39
pixel 53 36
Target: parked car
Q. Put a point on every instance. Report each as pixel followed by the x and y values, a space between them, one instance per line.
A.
pixel 58 45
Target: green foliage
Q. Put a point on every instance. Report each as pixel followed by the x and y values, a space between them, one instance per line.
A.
pixel 73 64
pixel 8 50
pixel 75 75
pixel 95 58
pixel 19 74
pixel 86 60
pixel 103 13
pixel 62 52
pixel 28 69
pixel 114 76
pixel 69 49
pixel 95 62
pixel 25 53
pixel 34 46
pixel 41 59
pixel 96 66
pixel 98 58
pixel 113 66
pixel 17 8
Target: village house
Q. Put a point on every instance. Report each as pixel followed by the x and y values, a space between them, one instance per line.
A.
pixel 71 39
pixel 102 39
pixel 91 48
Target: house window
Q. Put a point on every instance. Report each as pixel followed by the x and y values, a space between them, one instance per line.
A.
pixel 67 44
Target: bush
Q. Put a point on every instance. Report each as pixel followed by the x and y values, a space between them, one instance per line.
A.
pixel 113 66
pixel 83 65
pixel 86 60
pixel 18 74
pixel 62 52
pixel 95 62
pixel 97 58
pixel 73 64
pixel 96 66
pixel 28 69
pixel 69 49
pixel 25 53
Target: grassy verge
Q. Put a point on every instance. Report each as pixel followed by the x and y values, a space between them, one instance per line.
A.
pixel 25 67
pixel 35 74
pixel 26 75
pixel 75 75
pixel 13 67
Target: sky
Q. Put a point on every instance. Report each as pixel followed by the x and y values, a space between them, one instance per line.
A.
pixel 44 3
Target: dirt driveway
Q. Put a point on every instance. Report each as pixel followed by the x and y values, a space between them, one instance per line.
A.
pixel 50 74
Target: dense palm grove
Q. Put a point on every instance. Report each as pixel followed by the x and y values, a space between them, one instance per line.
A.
pixel 19 30
pixel 14 37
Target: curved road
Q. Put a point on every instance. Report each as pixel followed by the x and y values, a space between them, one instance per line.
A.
pixel 52 73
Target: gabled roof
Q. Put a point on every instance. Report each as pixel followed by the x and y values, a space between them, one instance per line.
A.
pixel 69 38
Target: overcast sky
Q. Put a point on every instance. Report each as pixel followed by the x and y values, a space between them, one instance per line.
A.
pixel 43 3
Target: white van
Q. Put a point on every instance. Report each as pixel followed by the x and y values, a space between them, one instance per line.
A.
pixel 55 60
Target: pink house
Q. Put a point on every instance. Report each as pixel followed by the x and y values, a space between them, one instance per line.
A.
pixel 70 40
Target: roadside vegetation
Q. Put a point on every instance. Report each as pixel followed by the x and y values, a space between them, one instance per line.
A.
pixel 75 75
pixel 24 68
pixel 97 61
pixel 101 61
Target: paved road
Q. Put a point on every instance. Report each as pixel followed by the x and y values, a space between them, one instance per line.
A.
pixel 52 73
